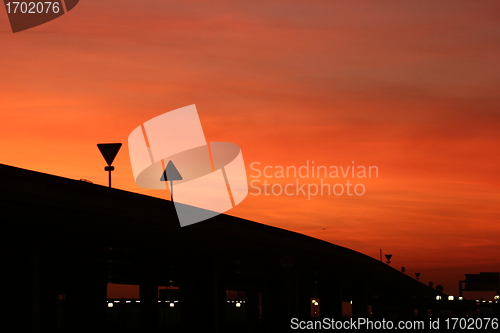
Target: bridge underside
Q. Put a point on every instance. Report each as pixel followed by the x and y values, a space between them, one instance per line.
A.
pixel 66 240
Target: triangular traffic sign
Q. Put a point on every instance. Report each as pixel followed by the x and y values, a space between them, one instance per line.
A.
pixel 109 151
pixel 170 173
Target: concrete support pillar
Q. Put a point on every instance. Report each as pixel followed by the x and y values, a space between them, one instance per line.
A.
pixel 29 296
pixel 149 306
pixel 251 308
pixel 378 303
pixel 281 300
pixel 86 304
pixel 272 299
pixel 17 289
pixel 359 301
pixel 202 297
pixel 45 281
pixel 331 301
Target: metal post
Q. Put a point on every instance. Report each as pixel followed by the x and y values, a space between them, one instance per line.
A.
pixel 109 169
pixel 171 191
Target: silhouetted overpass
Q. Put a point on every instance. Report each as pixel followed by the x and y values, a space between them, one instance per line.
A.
pixel 64 240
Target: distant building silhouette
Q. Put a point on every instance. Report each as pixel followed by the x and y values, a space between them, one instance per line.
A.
pixel 484 281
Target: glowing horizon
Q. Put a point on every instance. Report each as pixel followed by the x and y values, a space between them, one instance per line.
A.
pixel 410 88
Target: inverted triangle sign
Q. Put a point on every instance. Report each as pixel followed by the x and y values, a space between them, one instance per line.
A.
pixel 109 151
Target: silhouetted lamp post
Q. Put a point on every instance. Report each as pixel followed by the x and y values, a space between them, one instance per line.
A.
pixel 109 151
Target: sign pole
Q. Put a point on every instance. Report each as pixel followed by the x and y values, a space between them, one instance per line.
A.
pixel 170 174
pixel 109 169
pixel 171 191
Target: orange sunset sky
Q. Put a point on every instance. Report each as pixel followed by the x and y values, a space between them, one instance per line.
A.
pixel 412 87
